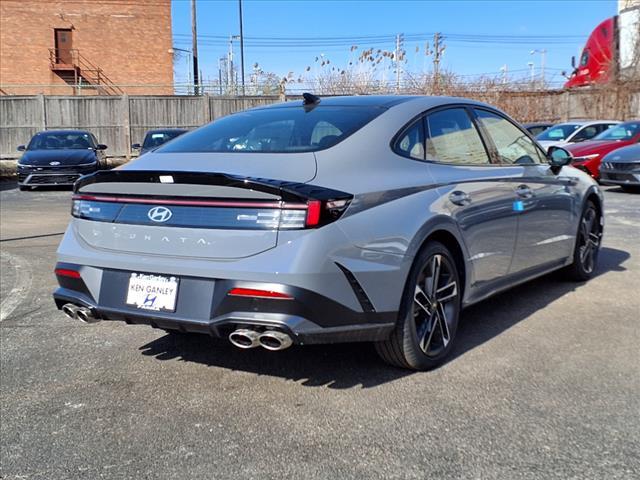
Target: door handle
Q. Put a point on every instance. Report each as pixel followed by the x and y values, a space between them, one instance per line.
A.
pixel 459 198
pixel 523 191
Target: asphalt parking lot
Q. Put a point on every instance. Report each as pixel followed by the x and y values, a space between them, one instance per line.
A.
pixel 544 383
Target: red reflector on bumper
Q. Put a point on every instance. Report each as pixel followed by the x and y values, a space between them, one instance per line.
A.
pixel 255 293
pixel 63 272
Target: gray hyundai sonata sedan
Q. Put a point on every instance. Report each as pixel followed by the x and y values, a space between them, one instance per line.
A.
pixel 372 218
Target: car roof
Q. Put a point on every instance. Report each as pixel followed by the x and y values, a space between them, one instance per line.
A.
pixel 537 124
pixel 66 132
pixel 378 101
pixel 162 130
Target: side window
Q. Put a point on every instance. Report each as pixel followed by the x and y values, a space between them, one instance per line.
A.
pixel 452 138
pixel 512 144
pixel 586 133
pixel 411 142
pixel 324 134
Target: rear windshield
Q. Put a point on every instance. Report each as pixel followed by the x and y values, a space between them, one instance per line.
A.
pixel 276 130
pixel 625 131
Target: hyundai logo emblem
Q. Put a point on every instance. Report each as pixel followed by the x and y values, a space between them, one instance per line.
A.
pixel 159 214
pixel 54 163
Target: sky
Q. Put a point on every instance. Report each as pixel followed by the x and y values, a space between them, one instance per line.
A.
pixel 480 36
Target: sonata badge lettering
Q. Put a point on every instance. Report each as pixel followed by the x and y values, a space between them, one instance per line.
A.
pixel 159 214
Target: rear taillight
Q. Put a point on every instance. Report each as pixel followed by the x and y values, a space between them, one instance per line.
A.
pixel 210 213
pixel 257 293
pixel 64 272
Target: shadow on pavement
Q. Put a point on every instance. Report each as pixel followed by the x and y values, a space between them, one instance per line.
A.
pixel 350 365
pixel 488 319
pixel 8 185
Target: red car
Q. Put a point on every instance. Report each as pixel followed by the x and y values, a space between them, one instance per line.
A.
pixel 588 155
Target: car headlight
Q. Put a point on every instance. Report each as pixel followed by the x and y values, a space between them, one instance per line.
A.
pixel 586 157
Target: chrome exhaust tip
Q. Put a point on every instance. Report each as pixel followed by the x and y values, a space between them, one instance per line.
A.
pixel 274 340
pixel 70 310
pixel 85 315
pixel 244 338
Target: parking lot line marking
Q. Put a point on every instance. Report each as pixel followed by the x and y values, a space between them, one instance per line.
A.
pixel 22 284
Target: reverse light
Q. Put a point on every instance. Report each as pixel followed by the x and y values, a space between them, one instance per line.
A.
pixel 257 293
pixel 65 272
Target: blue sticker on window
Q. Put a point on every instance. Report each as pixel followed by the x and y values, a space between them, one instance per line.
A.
pixel 518 206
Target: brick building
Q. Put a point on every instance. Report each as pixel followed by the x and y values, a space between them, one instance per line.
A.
pixel 85 47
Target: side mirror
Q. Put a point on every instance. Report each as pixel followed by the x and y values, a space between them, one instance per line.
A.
pixel 136 146
pixel 101 146
pixel 558 158
pixel 573 61
pixel 21 148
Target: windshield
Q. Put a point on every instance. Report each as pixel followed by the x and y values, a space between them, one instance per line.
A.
pixel 276 130
pixel 155 139
pixel 626 131
pixel 559 132
pixel 57 141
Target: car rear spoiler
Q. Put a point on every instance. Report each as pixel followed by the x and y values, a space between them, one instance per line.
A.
pixel 287 191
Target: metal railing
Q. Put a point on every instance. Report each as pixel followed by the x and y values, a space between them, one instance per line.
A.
pixel 85 73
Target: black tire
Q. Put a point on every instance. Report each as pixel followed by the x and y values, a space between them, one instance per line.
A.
pixel 426 326
pixel 23 188
pixel 631 188
pixel 587 247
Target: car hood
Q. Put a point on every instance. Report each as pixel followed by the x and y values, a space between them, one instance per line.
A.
pixel 292 167
pixel 594 146
pixel 65 157
pixel 552 143
pixel 630 154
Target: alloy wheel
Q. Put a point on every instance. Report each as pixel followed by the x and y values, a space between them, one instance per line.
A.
pixel 434 304
pixel 589 239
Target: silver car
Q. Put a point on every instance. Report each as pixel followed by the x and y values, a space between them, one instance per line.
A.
pixel 371 218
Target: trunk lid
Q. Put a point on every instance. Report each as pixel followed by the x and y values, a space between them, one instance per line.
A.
pixel 192 214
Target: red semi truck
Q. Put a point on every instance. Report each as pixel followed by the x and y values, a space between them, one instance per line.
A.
pixel 612 51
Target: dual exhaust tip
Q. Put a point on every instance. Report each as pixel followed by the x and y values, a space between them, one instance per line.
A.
pixel 242 338
pixel 270 339
pixel 83 314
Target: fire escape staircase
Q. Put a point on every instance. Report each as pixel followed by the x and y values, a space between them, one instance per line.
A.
pixel 76 70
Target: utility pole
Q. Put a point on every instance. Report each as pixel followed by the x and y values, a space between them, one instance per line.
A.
pixel 230 63
pixel 438 50
pixel 194 49
pixel 241 46
pixel 543 55
pixel 399 40
pixel 532 70
pixel 505 73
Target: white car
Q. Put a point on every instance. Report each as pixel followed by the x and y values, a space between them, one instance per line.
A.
pixel 573 132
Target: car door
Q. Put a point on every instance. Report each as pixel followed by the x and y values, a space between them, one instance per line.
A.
pixel 545 200
pixel 472 192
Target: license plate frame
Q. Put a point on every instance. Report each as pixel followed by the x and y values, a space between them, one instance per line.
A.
pixel 152 292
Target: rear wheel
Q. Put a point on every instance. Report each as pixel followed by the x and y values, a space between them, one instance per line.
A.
pixel 429 312
pixel 631 188
pixel 588 240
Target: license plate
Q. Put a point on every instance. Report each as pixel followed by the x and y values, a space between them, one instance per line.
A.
pixel 152 292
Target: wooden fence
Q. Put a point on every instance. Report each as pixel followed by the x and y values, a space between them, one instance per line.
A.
pixel 119 121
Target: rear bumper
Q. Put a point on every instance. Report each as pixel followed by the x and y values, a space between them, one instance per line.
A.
pixel 204 306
